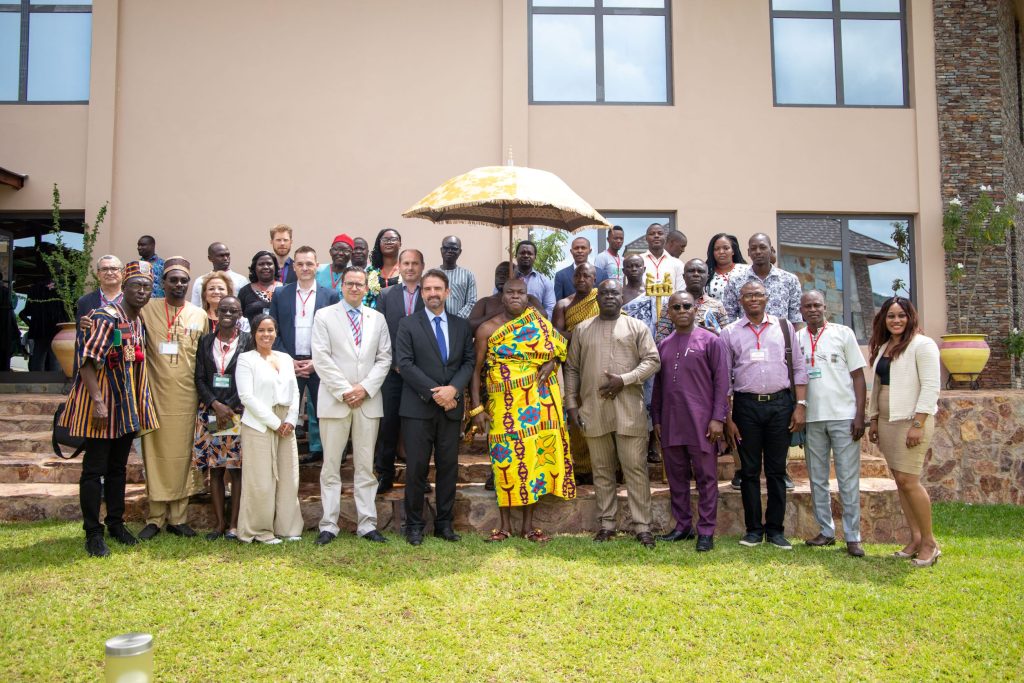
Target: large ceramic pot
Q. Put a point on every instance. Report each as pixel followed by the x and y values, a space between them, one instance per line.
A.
pixel 964 355
pixel 63 346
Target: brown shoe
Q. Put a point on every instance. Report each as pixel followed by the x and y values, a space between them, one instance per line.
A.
pixel 604 535
pixel 820 541
pixel 646 538
pixel 855 549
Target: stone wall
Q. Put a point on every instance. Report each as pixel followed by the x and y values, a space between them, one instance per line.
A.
pixel 977 83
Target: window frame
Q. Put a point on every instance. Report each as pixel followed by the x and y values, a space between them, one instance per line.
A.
pixel 836 16
pixel 611 215
pixel 25 9
pixel 844 241
pixel 599 11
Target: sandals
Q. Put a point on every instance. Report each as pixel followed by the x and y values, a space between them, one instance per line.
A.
pixel 536 536
pixel 497 536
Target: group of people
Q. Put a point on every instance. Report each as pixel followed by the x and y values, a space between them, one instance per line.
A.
pixel 693 359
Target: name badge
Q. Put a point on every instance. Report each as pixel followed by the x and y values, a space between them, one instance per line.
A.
pixel 757 355
pixel 169 348
pixel 221 381
pixel 814 373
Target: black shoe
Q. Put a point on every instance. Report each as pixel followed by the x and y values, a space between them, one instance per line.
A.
pixel 677 535
pixel 414 536
pixel 489 483
pixel 95 546
pixel 375 536
pixel 737 482
pixel 214 535
pixel 752 539
pixel 584 479
pixel 148 532
pixel 789 483
pixel 448 534
pixel 653 457
pixel 705 543
pixel 384 485
pixel 780 542
pixel 121 534
pixel 324 538
pixel 311 457
pixel 183 530
pixel 646 539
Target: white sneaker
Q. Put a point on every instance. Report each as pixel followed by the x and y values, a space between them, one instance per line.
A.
pixel 293 538
pixel 273 541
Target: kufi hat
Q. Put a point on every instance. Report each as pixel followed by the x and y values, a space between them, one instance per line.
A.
pixel 344 238
pixel 177 263
pixel 141 269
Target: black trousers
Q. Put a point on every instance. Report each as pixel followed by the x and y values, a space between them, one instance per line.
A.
pixel 390 426
pixel 106 459
pixel 764 430
pixel 439 436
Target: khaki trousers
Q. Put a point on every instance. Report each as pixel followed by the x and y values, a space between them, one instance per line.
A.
pixel 631 453
pixel 170 511
pixel 270 490
pixel 334 433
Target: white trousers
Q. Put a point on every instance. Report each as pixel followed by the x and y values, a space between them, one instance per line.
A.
pixel 334 433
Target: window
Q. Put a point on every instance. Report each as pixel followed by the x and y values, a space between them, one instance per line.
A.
pixel 634 225
pixel 45 51
pixel 857 261
pixel 848 53
pixel 600 51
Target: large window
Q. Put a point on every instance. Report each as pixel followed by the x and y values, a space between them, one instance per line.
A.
pixel 839 52
pixel 45 51
pixel 600 51
pixel 857 261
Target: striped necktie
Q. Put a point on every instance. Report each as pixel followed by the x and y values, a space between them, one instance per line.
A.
pixel 353 317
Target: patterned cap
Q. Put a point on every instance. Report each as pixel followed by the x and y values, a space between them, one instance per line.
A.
pixel 344 238
pixel 141 269
pixel 177 263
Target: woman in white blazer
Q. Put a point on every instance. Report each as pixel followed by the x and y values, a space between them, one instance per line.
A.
pixel 904 399
pixel 270 395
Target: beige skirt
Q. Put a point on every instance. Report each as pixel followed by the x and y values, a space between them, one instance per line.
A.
pixel 892 439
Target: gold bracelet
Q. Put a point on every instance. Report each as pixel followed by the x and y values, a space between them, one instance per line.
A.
pixel 476 411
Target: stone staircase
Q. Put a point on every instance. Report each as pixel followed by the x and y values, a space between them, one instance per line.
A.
pixel 34 485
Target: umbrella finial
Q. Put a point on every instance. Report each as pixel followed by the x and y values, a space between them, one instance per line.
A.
pixel 508 159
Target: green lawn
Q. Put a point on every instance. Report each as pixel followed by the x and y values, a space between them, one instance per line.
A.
pixel 570 610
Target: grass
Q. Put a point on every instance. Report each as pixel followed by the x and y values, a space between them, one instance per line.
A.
pixel 570 610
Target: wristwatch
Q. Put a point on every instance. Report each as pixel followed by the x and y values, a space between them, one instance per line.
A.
pixel 917 424
pixel 802 402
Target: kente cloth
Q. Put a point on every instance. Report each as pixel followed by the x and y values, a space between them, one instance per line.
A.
pixel 117 347
pixel 528 442
pixel 167 451
pixel 581 311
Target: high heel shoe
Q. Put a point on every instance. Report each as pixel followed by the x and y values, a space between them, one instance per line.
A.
pixel 904 556
pixel 920 564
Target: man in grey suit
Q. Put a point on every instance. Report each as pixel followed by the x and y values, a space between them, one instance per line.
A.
pixel 434 351
pixel 352 355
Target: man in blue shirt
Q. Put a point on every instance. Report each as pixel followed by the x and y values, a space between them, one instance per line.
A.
pixel 537 284
pixel 580 251
pixel 147 252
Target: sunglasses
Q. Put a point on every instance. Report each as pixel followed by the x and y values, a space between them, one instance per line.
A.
pixel 681 307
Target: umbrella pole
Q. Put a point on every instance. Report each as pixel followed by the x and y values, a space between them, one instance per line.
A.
pixel 511 256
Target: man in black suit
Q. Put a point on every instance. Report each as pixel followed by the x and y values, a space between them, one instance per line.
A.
pixel 395 303
pixel 293 307
pixel 435 355
pixel 110 273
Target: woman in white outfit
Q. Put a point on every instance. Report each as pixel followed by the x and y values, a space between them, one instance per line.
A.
pixel 270 396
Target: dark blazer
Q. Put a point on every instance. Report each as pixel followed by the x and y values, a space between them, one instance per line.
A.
pixel 282 309
pixel 419 359
pixel 206 368
pixel 87 303
pixel 563 280
pixel 391 304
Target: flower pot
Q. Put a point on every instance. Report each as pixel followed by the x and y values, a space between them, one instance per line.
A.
pixel 964 355
pixel 63 346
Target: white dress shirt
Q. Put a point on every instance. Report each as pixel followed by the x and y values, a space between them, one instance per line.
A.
pixel 304 323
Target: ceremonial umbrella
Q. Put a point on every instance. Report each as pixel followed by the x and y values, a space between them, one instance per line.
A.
pixel 506 196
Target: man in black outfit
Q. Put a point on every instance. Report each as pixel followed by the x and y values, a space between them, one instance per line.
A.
pixel 395 303
pixel 434 352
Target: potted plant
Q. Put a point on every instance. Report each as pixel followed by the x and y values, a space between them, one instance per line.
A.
pixel 71 270
pixel 971 234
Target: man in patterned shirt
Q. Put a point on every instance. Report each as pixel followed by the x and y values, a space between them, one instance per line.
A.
pixel 462 283
pixel 783 287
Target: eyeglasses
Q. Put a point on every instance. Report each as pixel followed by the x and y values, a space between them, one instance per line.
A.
pixel 353 285
pixel 110 269
pixel 754 295
pixel 389 240
pixel 681 307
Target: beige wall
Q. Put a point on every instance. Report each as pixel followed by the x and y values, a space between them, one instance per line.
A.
pixel 225 118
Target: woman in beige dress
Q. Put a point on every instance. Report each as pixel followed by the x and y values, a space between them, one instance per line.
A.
pixel 267 389
pixel 904 399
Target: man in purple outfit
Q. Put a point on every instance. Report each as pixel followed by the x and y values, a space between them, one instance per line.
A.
pixel 688 409
pixel 764 413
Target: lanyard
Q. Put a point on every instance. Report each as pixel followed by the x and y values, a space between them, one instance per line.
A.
pixel 304 299
pixel 171 320
pixel 757 331
pixel 618 260
pixel 410 300
pixel 657 264
pixel 334 283
pixel 110 302
pixel 223 365
pixel 814 340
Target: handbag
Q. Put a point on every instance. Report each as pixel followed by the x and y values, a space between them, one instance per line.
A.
pixel 796 438
pixel 62 437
